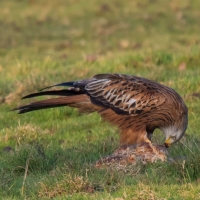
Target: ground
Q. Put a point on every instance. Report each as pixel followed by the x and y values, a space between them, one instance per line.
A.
pixel 50 153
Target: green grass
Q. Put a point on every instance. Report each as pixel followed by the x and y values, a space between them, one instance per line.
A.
pixel 49 153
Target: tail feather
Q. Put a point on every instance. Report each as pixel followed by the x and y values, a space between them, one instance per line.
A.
pixel 38 105
pixel 74 96
pixel 75 84
pixel 82 102
pixel 55 92
pixel 68 84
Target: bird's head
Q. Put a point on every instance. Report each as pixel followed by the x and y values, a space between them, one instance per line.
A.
pixel 172 136
pixel 174 133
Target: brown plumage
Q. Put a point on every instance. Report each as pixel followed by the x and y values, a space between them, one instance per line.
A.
pixel 136 105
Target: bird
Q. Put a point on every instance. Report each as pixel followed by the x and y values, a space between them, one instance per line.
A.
pixel 136 105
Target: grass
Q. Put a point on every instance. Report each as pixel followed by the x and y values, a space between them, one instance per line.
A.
pixel 49 154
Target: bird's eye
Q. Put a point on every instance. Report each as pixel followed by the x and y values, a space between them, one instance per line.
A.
pixel 173 137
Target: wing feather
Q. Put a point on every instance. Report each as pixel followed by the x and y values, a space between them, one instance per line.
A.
pixel 125 94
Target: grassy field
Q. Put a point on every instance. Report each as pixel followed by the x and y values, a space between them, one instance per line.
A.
pixel 49 154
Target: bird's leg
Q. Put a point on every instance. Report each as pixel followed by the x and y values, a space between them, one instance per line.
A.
pixel 130 136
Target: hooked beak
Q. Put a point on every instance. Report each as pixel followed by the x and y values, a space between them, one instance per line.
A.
pixel 167 142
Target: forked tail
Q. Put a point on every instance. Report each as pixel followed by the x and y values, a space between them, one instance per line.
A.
pixel 73 97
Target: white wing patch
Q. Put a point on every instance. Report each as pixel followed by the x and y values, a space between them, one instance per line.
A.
pixel 131 101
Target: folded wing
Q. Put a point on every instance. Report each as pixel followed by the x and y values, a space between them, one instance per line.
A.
pixel 129 95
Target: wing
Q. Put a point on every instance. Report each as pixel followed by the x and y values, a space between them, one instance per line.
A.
pixel 129 95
